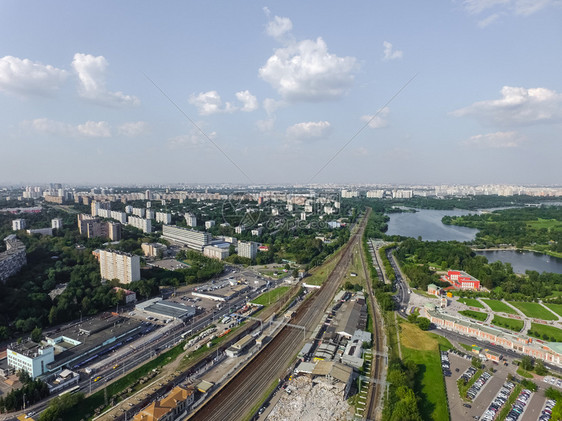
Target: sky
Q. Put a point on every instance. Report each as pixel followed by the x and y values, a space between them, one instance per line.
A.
pixel 404 92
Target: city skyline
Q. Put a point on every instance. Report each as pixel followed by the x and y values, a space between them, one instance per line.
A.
pixel 116 93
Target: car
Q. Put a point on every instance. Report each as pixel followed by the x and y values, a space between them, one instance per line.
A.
pixel 467 405
pixel 457 369
pixel 97 378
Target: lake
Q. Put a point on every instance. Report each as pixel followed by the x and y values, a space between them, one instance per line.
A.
pixel 427 224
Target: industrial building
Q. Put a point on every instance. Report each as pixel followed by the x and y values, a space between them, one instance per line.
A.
pixel 164 308
pixel 13 259
pixel 240 347
pixel 193 239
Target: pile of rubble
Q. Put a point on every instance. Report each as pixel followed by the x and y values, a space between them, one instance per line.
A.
pixel 305 399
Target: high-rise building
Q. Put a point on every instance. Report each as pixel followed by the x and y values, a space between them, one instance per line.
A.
pixel 18 224
pixel 119 265
pixel 164 217
pixel 147 195
pixel 190 219
pixel 13 259
pixel 150 214
pixel 247 249
pixel 139 212
pixel 56 223
pixel 143 224
pixel 191 238
pixel 91 227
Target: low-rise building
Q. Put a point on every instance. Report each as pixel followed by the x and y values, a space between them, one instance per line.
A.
pixel 31 357
pixel 153 249
pixel 241 346
pixel 170 408
pixel 215 252
pixel 461 280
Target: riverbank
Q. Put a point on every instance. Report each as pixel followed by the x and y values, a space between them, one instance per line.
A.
pixel 513 248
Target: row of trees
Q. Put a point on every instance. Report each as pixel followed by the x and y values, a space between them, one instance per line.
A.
pixel 402 402
pixel 32 391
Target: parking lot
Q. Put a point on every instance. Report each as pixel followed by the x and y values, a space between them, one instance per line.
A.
pixel 463 409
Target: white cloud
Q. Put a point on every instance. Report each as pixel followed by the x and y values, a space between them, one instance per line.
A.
pixel 271 105
pixel 390 53
pixel 265 125
pixel 279 27
pixel 249 101
pixel 517 106
pixel 192 140
pixel 133 128
pixel 488 20
pixel 210 102
pixel 309 130
pixel 377 121
pixel 58 128
pixel 497 140
pixel 25 77
pixel 306 71
pixel 91 73
pixel 517 7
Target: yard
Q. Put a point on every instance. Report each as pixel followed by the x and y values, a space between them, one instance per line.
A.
pixel 272 296
pixel 423 349
pixel 511 324
pixel 534 310
pixel 478 315
pixel 499 306
pixel 471 302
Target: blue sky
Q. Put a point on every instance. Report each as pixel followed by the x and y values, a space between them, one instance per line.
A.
pixel 141 92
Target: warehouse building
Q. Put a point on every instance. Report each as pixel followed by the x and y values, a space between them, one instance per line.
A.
pixel 164 308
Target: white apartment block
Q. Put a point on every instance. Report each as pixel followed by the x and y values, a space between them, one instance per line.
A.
pixel 375 194
pixel 150 214
pixel 13 259
pixel 163 217
pixel 248 249
pixel 56 223
pixel 128 209
pixel 119 265
pixel 348 194
pixel 190 219
pixel 18 224
pixel 196 240
pixel 119 216
pixel 143 224
pixel 257 231
pixel 139 212
pixel 209 224
pixel 240 229
pixel 215 252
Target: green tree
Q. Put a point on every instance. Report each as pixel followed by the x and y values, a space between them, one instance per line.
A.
pixel 37 334
pixel 527 363
pixel 476 362
pixel 424 323
pixel 540 369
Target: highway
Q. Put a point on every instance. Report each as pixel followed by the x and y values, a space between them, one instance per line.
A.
pixel 245 390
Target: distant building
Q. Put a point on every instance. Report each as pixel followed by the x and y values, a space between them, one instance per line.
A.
pixel 163 217
pixel 248 249
pixel 461 280
pixel 153 249
pixel 215 252
pixel 188 237
pixel 190 219
pixel 40 231
pixel 150 214
pixel 56 223
pixel 130 296
pixel 13 259
pixel 239 229
pixel 91 227
pixel 257 231
pixel 140 212
pixel 54 199
pixel 143 224
pixel 119 265
pixel 119 216
pixel 18 224
pixel 209 224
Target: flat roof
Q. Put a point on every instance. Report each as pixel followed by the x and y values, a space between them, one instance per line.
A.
pixel 171 309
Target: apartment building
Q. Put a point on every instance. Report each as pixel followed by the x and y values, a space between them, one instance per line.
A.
pixel 119 265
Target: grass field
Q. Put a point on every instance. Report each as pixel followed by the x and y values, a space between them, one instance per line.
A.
pixel 534 310
pixel 270 297
pixel 524 373
pixel 472 302
pixel 320 274
pixel 546 332
pixel 499 306
pixel 423 349
pixel 557 308
pixel 511 324
pixel 478 315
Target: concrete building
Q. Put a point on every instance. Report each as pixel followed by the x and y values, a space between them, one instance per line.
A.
pixel 239 229
pixel 257 231
pixel 128 209
pixel 196 240
pixel 18 224
pixel 92 227
pixel 119 265
pixel 56 223
pixel 168 309
pixel 209 224
pixel 248 249
pixel 31 357
pixel 96 206
pixel 40 231
pixel 153 249
pixel 13 259
pixel 241 346
pixel 119 216
pixel 150 214
pixel 140 212
pixel 163 217
pixel 215 252
pixel 190 219
pixel 143 224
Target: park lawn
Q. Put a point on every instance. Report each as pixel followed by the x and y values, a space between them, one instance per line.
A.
pixel 272 296
pixel 423 349
pixel 534 310
pixel 478 315
pixel 538 330
pixel 471 302
pixel 511 324
pixel 545 223
pixel 557 308
pixel 499 306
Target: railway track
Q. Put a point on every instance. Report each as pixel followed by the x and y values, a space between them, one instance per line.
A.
pixel 236 398
pixel 373 408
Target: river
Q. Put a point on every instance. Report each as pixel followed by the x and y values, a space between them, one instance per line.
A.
pixel 427 224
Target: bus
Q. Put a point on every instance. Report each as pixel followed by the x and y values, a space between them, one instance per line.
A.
pixel 226 320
